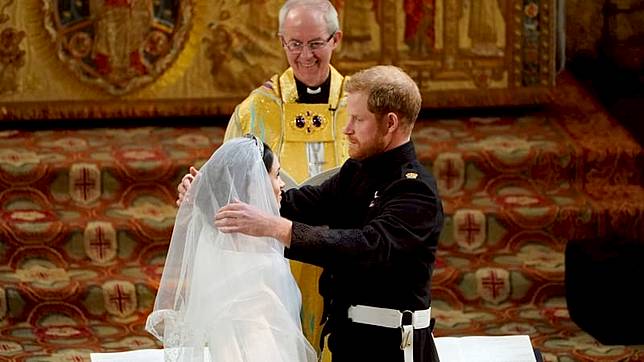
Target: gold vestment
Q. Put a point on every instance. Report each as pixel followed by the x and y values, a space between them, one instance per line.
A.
pixel 271 112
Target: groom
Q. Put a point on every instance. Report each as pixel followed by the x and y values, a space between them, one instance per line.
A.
pixel 373 228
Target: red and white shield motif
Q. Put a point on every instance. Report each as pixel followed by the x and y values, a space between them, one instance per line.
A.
pixel 470 229
pixel 100 241
pixel 449 170
pixel 493 284
pixel 84 183
pixel 119 298
pixel 119 45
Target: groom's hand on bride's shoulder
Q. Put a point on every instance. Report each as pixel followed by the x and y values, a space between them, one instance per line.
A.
pixel 240 217
pixel 184 185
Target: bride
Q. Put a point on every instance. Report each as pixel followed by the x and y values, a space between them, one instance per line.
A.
pixel 233 295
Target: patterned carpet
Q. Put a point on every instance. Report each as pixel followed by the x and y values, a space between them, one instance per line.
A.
pixel 86 216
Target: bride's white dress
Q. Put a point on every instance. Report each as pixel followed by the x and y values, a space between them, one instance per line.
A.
pixel 231 293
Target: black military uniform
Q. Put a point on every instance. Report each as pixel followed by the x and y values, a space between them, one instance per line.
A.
pixel 374 228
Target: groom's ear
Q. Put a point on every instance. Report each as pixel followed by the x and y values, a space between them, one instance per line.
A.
pixel 392 122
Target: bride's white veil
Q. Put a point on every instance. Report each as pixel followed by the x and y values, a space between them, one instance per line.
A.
pixel 230 292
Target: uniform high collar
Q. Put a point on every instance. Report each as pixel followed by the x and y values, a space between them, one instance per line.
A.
pixel 397 156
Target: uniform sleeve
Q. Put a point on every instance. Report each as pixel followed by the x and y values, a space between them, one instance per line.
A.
pixel 409 221
pixel 311 204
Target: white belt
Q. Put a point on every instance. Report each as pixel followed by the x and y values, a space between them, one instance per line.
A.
pixel 393 318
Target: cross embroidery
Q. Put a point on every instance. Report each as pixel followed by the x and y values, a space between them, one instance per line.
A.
pixel 493 283
pixel 470 227
pixel 448 173
pixel 85 183
pixel 99 243
pixel 120 299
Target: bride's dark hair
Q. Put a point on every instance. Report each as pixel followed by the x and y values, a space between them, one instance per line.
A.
pixel 268 157
pixel 267 153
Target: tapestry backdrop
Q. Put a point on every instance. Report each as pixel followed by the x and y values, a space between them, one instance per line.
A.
pixel 144 58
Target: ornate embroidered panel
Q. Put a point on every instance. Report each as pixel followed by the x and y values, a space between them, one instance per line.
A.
pixel 118 45
pixel 77 59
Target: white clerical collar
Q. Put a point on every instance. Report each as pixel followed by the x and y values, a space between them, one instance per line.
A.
pixel 313 91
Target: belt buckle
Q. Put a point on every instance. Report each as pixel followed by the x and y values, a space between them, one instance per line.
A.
pixel 407 334
pixel 404 321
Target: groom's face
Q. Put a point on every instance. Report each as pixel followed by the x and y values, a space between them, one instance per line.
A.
pixel 364 131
